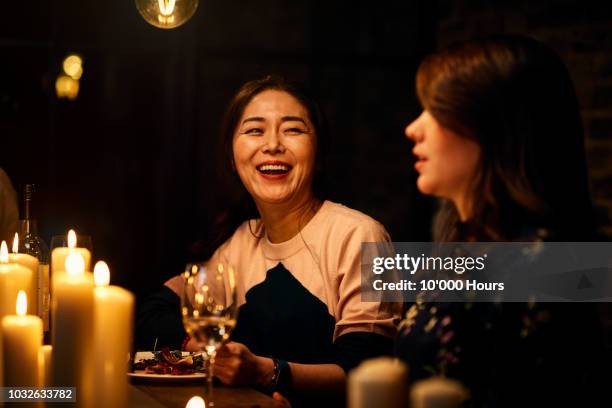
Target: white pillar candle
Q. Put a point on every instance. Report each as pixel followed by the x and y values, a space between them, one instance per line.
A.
pixel 379 382
pixel 59 255
pixel 13 278
pixel 113 321
pixel 32 264
pixel 437 392
pixel 73 328
pixel 21 342
pixel 44 360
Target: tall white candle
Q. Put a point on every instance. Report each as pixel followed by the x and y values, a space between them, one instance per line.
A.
pixel 114 309
pixel 59 255
pixel 32 264
pixel 72 337
pixel 13 278
pixel 21 342
pixel 379 382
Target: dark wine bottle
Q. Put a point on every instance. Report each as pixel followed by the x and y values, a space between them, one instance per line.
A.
pixel 32 244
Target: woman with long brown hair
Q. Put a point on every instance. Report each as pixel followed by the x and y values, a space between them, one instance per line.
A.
pixel 500 142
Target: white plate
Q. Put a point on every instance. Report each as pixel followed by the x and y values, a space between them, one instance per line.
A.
pixel 141 375
pixel 167 377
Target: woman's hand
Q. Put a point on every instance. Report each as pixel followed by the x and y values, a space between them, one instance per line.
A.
pixel 235 364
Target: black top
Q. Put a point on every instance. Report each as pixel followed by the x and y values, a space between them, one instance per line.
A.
pixel 510 354
pixel 280 319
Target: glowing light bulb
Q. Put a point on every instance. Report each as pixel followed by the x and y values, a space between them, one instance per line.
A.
pixel 66 87
pixel 73 66
pixel 166 13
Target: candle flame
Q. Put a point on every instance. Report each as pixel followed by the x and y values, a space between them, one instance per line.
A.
pixel 196 402
pixel 101 274
pixel 16 243
pixel 75 264
pixel 72 239
pixel 22 303
pixel 4 258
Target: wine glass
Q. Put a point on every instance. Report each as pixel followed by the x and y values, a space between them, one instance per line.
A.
pixel 209 307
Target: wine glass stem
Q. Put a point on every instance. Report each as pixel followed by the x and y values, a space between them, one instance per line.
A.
pixel 209 379
pixel 211 363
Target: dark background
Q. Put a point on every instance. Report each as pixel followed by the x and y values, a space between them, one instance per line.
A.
pixel 131 160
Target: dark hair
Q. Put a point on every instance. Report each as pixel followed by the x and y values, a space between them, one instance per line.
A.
pixel 238 204
pixel 514 97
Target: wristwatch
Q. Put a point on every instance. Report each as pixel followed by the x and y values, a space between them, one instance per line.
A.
pixel 281 377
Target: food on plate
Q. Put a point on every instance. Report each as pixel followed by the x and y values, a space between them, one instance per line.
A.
pixel 168 362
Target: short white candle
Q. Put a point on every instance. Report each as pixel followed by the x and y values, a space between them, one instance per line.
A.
pixel 13 278
pixel 32 264
pixel 437 392
pixel 379 382
pixel 59 255
pixel 114 310
pixel 72 337
pixel 21 342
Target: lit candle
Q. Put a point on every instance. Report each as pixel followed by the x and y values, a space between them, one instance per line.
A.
pixel 113 311
pixel 31 263
pixel 21 342
pixel 73 328
pixel 13 278
pixel 196 402
pixel 45 365
pixel 379 382
pixel 437 392
pixel 59 255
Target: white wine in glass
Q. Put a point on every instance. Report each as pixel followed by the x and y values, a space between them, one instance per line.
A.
pixel 209 307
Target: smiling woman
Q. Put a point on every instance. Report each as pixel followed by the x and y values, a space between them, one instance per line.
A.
pixel 274 151
pixel 301 323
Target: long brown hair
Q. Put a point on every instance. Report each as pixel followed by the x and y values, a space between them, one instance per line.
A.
pixel 514 97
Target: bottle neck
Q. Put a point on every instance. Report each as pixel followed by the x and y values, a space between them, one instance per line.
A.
pixel 27 227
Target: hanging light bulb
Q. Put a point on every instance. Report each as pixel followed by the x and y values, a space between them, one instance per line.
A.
pixel 67 84
pixel 166 13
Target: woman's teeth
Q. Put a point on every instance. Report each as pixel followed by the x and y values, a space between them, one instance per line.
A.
pixel 273 169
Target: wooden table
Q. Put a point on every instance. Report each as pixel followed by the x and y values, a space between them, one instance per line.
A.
pixel 151 395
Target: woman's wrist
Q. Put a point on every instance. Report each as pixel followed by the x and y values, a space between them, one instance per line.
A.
pixel 275 375
pixel 265 372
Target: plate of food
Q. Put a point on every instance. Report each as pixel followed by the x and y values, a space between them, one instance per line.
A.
pixel 166 365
